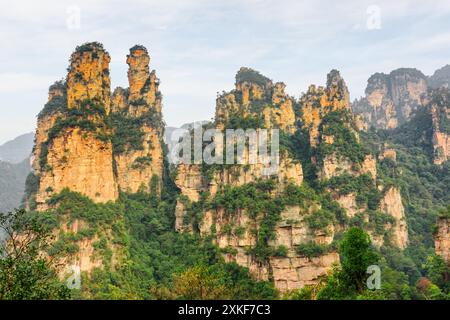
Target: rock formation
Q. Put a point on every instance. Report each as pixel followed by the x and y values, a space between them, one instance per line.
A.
pixel 392 205
pixel 95 144
pixel 440 115
pixel 76 145
pixel 257 96
pixel 324 114
pixel 70 151
pixel 391 99
pixel 140 108
pixel 442 239
pixel 318 101
pixel 440 78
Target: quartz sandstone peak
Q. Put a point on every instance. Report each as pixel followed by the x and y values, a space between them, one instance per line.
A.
pixel 143 83
pixel 318 101
pixel 258 97
pixel 139 168
pixel 88 77
pixel 79 137
pixel 440 116
pixel 74 149
pixel 391 99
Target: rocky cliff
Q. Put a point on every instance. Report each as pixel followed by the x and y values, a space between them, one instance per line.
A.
pixel 87 144
pixel 277 226
pixel 71 149
pixel 391 99
pixel 96 144
pixel 440 115
pixel 256 96
pixel 139 137
pixel 442 239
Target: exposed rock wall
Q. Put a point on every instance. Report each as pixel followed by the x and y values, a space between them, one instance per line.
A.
pixel 69 152
pixel 391 99
pixel 257 96
pixel 141 103
pixel 442 239
pixel 392 205
pixel 82 163
pixel 75 139
pixel 440 115
pixel 318 101
pixel 288 272
pixel 88 77
pixel 96 144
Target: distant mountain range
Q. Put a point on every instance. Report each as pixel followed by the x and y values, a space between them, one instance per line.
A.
pixel 14 169
pixel 16 150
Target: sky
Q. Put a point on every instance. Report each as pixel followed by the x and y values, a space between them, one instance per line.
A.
pixel 197 46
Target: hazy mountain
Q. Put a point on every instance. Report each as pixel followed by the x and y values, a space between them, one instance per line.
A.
pixel 12 183
pixel 18 149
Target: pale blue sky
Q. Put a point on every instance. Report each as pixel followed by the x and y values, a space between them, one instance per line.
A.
pixel 197 46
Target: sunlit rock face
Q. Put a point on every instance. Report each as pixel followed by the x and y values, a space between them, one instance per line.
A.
pixel 97 144
pixel 68 151
pixel 141 168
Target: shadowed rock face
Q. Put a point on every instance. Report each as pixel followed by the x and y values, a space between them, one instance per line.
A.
pixel 391 98
pixel 439 106
pixel 440 78
pixel 442 239
pixel 12 184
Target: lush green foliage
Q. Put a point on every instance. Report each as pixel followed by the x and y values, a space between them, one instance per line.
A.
pixel 250 75
pixel 24 272
pixel 345 144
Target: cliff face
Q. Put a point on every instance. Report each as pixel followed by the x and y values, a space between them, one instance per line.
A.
pixel 70 152
pixel 257 96
pixel 391 204
pixel 270 224
pixel 95 144
pixel 440 78
pixel 83 146
pixel 319 101
pixel 442 239
pixel 138 111
pixel 88 77
pixel 440 115
pixel 391 99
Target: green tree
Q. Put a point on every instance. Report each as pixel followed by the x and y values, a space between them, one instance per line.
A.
pixel 357 254
pixel 438 272
pixel 25 273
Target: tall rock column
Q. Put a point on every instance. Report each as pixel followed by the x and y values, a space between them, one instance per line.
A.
pixel 73 150
pixel 88 77
pixel 442 239
pixel 440 115
pixel 139 166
